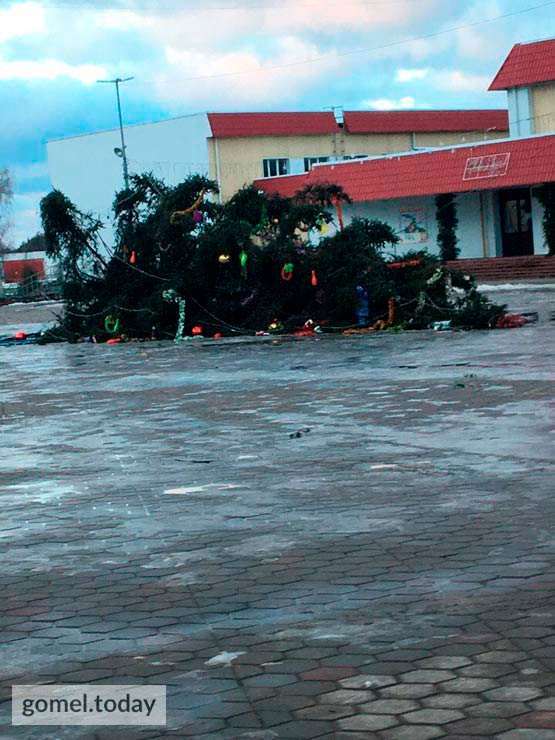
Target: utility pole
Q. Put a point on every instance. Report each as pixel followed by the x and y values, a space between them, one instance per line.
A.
pixel 123 152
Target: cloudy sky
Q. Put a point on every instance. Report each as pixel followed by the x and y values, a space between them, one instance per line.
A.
pixel 198 55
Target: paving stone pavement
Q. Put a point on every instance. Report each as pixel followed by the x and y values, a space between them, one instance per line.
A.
pixel 387 573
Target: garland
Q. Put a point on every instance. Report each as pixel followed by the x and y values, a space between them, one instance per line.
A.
pixel 546 196
pixel 447 221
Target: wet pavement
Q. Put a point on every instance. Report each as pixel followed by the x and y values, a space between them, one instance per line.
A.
pixel 322 538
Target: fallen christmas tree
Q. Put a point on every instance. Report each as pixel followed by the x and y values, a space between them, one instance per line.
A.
pixel 184 263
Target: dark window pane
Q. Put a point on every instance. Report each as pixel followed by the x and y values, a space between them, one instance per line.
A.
pixel 525 216
pixel 511 217
pixel 283 166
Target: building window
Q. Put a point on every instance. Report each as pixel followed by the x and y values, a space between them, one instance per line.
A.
pixel 354 156
pixel 310 161
pixel 275 167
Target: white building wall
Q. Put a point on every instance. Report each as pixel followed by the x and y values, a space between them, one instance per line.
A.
pixel 397 214
pixel 86 169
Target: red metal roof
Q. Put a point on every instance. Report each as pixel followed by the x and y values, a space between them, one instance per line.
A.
pixel 455 170
pixel 527 64
pixel 228 125
pixel 418 121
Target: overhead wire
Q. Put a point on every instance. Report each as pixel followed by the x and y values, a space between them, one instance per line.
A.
pixel 351 52
pixel 369 50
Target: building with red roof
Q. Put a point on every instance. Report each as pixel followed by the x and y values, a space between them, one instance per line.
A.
pixel 495 182
pixel 528 76
pixel 246 146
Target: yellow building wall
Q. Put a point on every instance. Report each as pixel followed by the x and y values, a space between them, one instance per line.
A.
pixel 375 143
pixel 452 139
pixel 240 159
pixel 236 162
pixel 543 107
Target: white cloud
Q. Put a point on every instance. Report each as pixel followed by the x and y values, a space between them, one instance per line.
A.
pixel 406 103
pixel 50 69
pixel 23 19
pixel 457 80
pixel 241 77
pixel 410 75
pixel 234 20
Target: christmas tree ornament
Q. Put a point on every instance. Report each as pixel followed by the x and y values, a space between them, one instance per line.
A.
pixel 324 228
pixel 196 331
pixel 224 259
pixel 275 327
pixel 112 324
pixel 133 258
pixel 339 211
pixel 391 311
pixel 177 215
pixel 314 279
pixel 198 218
pixel 243 259
pixel 287 271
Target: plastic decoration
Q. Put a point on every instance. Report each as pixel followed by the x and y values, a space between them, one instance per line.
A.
pixel 339 211
pixel 243 259
pixel 391 311
pixel 173 297
pixel 363 310
pixel 314 279
pixel 287 271
pixel 224 259
pixel 176 215
pixel 181 321
pixel 196 331
pixel 324 228
pixel 198 218
pixel 133 258
pixel 112 324
pixel 511 321
pixel 275 327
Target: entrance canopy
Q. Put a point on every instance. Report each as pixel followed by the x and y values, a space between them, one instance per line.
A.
pixel 488 166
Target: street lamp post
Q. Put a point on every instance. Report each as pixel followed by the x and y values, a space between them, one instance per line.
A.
pixel 117 82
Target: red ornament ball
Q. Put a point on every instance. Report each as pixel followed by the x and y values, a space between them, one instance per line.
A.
pixel 20 335
pixel 196 330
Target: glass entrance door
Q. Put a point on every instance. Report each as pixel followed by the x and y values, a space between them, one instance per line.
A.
pixel 516 222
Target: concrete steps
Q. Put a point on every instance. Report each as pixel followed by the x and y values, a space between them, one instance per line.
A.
pixel 507 269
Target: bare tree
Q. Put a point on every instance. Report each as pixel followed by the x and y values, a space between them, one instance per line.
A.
pixel 6 196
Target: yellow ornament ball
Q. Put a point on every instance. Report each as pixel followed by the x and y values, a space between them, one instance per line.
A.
pixel 223 259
